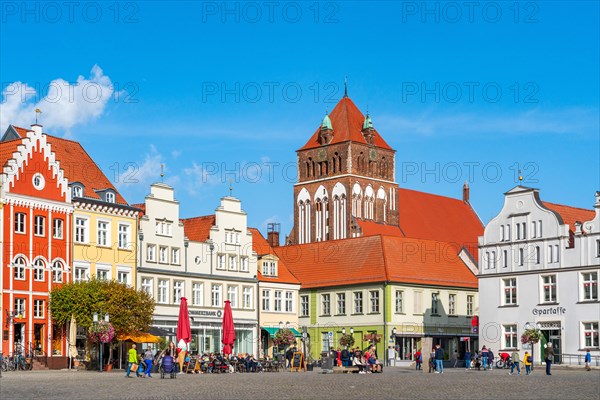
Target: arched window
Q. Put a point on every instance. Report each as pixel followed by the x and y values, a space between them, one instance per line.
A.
pixel 57 271
pixel 38 269
pixel 19 266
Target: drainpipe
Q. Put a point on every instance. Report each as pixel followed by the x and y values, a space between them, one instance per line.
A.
pixel 385 336
pixel 186 244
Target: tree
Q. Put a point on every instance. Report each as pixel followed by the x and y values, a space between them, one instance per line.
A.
pixel 130 310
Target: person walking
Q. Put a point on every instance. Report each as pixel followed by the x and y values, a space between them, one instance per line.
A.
pixel 588 360
pixel 439 359
pixel 418 360
pixel 467 359
pixel 515 363
pixel 527 361
pixel 548 357
pixel 148 360
pixel 132 358
pixel 432 360
pixel 490 358
pixel 484 357
pixel 289 355
pixel 454 359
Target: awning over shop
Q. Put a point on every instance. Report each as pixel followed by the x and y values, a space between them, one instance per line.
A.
pixel 160 332
pixel 273 330
pixel 139 337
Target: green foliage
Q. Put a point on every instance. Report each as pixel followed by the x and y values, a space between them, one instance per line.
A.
pixel 531 336
pixel 130 310
pixel 347 340
pixel 284 337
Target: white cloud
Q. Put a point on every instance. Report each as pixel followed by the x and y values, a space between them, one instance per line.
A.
pixel 147 171
pixel 199 176
pixel 63 104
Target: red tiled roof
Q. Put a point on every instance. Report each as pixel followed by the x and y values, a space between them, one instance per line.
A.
pixel 198 228
pixel 346 121
pixel 370 228
pixel 141 206
pixel 433 217
pixel 374 259
pixel 571 214
pixel 261 247
pixel 76 163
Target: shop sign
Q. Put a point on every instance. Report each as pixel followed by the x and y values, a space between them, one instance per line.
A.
pixel 205 313
pixel 549 311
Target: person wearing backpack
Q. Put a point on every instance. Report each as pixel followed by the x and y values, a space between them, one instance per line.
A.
pixel 527 360
pixel 345 356
pixel 588 360
pixel 418 360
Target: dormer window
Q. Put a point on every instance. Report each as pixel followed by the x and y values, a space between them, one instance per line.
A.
pixel 77 191
pixel 269 268
pixel 110 197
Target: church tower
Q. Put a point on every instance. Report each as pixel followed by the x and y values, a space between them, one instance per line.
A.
pixel 345 173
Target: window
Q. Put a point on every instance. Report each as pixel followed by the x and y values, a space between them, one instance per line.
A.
pixel 266 300
pixel 549 288
pixel 358 302
pixel 244 264
pixel 521 256
pixel 399 302
pixel 518 231
pixel 38 309
pixel 57 228
pixel 289 302
pixel 197 294
pixel 494 259
pixel 434 304
pixel 534 229
pixel 163 228
pixel 273 270
pixel 57 272
pixel 216 292
pixel 590 334
pixel 81 230
pixel 451 304
pixel 123 277
pixel 326 304
pixel 341 304
pixel 38 181
pixel 20 223
pixel 502 237
pixel 110 197
pixel 39 226
pixel 304 306
pixel 19 307
pixel 539 228
pixel 123 236
pixel 538 254
pixel 590 285
pixel 162 255
pixel 265 268
pixel 151 252
pixel 598 248
pixel 418 303
pixel 510 336
pixel 177 291
pixel 147 285
pixel 38 269
pixel 553 253
pixel 504 258
pixel 508 232
pixel 102 273
pixel 470 305
pixel 524 230
pixel 103 233
pixel 510 291
pixel 488 261
pixel 232 263
pixel 175 256
pixel 163 290
pixel 77 191
pixel 247 297
pixel 374 301
pixel 277 302
pixel 221 261
pixel 232 295
pixel 81 274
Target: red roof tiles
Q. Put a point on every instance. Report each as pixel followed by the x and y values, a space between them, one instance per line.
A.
pixel 198 228
pixel 262 247
pixel 371 228
pixel 347 122
pixel 571 214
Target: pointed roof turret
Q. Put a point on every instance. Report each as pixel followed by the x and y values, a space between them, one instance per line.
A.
pixel 368 124
pixel 326 124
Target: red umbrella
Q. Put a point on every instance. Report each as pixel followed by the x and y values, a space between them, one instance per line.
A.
pixel 228 329
pixel 183 323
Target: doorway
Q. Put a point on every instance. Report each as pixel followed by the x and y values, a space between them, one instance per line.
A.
pixel 19 335
pixel 38 334
pixel 553 336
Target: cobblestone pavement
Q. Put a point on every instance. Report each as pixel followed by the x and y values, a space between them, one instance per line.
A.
pixel 394 383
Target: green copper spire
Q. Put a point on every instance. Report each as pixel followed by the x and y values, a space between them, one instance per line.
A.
pixel 326 122
pixel 368 124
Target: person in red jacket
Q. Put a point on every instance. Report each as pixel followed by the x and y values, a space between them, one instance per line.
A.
pixel 418 360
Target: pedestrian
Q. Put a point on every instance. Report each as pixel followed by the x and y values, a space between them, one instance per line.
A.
pixel 484 357
pixel 132 359
pixel 289 355
pixel 418 360
pixel 528 360
pixel 432 360
pixel 439 359
pixel 148 359
pixel 588 360
pixel 454 359
pixel 548 357
pixel 515 363
pixel 467 359
pixel 490 358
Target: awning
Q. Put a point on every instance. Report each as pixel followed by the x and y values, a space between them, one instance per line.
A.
pixel 160 332
pixel 139 337
pixel 273 330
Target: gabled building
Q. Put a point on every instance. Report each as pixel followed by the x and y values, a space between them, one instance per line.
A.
pixel 539 268
pixel 36 226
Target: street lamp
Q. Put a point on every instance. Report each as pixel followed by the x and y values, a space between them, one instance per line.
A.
pixel 211 247
pixel 343 331
pixel 351 330
pixel 100 344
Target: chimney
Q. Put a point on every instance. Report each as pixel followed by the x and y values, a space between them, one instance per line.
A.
pixel 578 231
pixel 273 234
pixel 466 192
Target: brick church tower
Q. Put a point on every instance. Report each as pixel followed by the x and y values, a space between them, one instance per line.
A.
pixel 345 173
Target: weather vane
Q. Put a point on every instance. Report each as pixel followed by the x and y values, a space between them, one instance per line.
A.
pixel 37 113
pixel 520 177
pixel 162 172
pixel 230 187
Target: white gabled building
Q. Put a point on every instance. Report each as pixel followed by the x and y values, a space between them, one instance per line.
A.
pixel 206 259
pixel 539 267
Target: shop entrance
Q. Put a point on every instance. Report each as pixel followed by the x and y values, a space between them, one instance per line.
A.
pixel 38 334
pixel 553 336
pixel 406 347
pixel 19 335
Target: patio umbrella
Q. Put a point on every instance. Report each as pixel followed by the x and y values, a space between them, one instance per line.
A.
pixel 228 329
pixel 184 332
pixel 72 340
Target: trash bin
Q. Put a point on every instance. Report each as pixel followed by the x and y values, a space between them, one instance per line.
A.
pixel 327 365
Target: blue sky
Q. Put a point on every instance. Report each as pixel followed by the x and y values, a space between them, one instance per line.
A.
pixel 230 92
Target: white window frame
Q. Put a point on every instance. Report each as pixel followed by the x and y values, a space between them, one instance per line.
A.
pixel 38 308
pixel 216 295
pixel 340 303
pixel 163 255
pixel 20 225
pixel 147 285
pixel 81 273
pixel 278 301
pixel 232 295
pixel 178 291
pixel 58 273
pixel 358 302
pixel 289 302
pixel 103 233
pixel 175 259
pixel 221 261
pixel 470 304
pixel 232 262
pixel 247 297
pixel 452 304
pixel 163 291
pixel 510 336
pixel 127 273
pixel 77 191
pixel 124 236
pixel 374 303
pixel 552 287
pixel 82 230
pixel 399 303
pixel 325 304
pixel 57 228
pixel 20 306
pixel 151 252
pixel 589 279
pixel 304 305
pixel 266 300
pixel 104 269
pixel 39 265
pixel 244 264
pixel 198 293
pixel 509 285
pixel 591 329
pixel 110 197
pixel 39 228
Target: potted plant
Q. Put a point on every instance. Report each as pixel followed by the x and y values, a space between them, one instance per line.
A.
pixel 346 341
